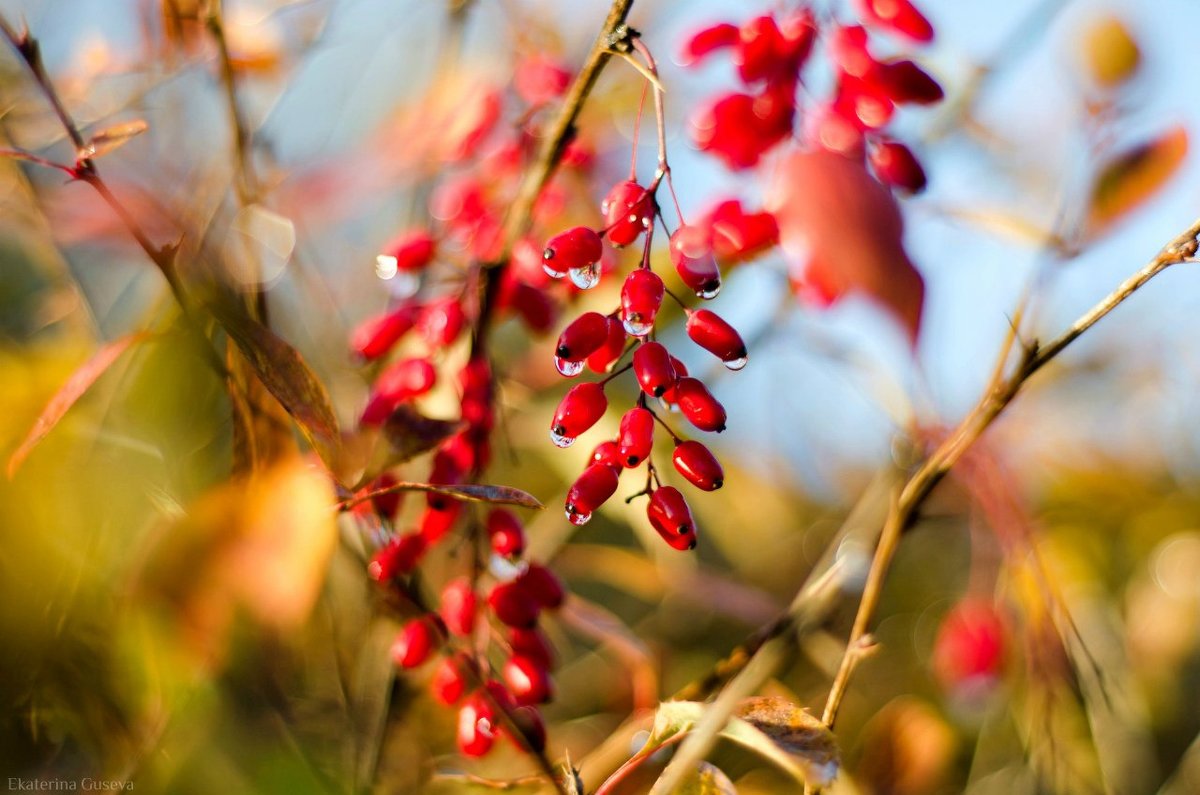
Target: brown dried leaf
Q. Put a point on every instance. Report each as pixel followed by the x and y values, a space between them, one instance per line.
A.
pixel 111 138
pixel 284 373
pixel 1133 177
pixel 70 392
pixel 796 732
pixel 410 433
pixel 500 495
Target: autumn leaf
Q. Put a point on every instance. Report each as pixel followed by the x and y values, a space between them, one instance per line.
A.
pixel 500 495
pixel 284 373
pixel 843 233
pixel 1132 177
pixel 70 392
pixel 706 779
pixel 410 433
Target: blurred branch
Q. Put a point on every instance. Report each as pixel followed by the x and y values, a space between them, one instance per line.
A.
pixel 245 179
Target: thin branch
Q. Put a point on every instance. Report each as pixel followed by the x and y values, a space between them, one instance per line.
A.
pixel 246 180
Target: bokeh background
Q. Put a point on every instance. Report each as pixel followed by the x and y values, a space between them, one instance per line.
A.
pixel 137 648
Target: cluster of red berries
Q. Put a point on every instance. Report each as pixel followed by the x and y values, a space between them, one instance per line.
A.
pixel 489 706
pixel 770 54
pixel 495 680
pixel 602 342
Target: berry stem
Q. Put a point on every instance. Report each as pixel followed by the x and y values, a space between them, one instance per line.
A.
pixel 674 436
pixel 660 117
pixel 624 369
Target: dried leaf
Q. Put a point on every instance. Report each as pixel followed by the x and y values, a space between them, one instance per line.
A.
pixel 500 495
pixel 773 728
pixel 79 382
pixel 1133 177
pixel 795 732
pixel 844 233
pixel 410 433
pixel 111 138
pixel 707 779
pixel 284 373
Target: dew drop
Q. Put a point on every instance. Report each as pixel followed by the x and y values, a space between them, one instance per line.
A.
pixel 403 285
pixel 386 267
pixel 709 291
pixel 738 363
pixel 635 326
pixel 560 440
pixel 568 368
pixel 553 273
pixel 504 569
pixel 587 277
pixel 576 518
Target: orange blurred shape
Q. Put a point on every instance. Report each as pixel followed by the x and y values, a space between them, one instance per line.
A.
pixel 907 749
pixel 1110 53
pixel 1134 176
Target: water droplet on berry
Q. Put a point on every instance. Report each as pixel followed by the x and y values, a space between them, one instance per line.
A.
pixel 386 266
pixel 738 363
pixel 709 292
pixel 636 326
pixel 587 277
pixel 560 440
pixel 568 368
pixel 553 273
pixel 505 569
pixel 577 518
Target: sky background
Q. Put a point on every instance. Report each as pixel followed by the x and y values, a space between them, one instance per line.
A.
pixel 835 380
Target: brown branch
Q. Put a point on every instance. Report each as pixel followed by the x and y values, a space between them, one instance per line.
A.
pixel 559 134
pixel 246 180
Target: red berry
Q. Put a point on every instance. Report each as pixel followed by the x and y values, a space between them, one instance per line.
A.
pixel 532 643
pixel 636 437
pixel 533 730
pixel 540 79
pixel 740 128
pixel 897 16
pixel 458 606
pixel 849 48
pixel 608 454
pixel 436 522
pixel 441 321
pixel 528 682
pixel 692 255
pixel 628 211
pixel 574 249
pixel 580 409
pixel 476 727
pixel 513 605
pixel 535 307
pixel 416 641
pixel 708 40
pixel 968 654
pixel 400 556
pixel 862 103
pixel 583 337
pixel 377 335
pixel 761 51
pixel 506 533
pixel 710 331
pixel 399 382
pixel 614 345
pixel 896 165
pixel 671 396
pixel 448 682
pixel 641 298
pixel 904 81
pixel 738 235
pixel 387 504
pixel 412 250
pixel 699 406
pixel 653 368
pixel 671 517
pixel 543 585
pixel 696 463
pixel 593 488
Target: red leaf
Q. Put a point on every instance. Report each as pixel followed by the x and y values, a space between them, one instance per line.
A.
pixel 844 233
pixel 79 382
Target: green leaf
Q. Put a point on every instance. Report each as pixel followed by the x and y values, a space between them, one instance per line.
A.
pixel 70 392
